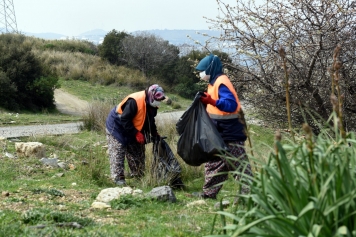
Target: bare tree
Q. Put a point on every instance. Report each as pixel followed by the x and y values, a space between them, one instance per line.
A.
pixel 148 52
pixel 308 31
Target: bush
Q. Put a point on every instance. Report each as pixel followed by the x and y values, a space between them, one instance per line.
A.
pixel 188 89
pixel 23 73
pixel 70 46
pixel 39 215
pixel 111 49
pixel 176 105
pixel 7 91
pixel 95 118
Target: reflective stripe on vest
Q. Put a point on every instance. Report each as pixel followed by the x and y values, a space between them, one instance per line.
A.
pixel 140 116
pixel 213 90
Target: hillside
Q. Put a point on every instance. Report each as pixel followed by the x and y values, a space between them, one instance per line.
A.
pixel 175 37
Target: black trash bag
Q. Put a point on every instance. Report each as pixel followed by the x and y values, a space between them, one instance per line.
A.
pixel 199 140
pixel 165 166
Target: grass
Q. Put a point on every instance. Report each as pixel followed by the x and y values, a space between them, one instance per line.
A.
pixel 37 200
pixel 28 118
pixel 39 197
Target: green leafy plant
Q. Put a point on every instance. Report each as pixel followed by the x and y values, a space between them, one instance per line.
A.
pixel 127 201
pixel 53 192
pixel 40 215
pixel 305 189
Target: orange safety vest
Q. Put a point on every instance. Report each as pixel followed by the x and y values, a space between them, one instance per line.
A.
pixel 213 90
pixel 140 116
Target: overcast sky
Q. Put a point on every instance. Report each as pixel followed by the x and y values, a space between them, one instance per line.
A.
pixel 73 17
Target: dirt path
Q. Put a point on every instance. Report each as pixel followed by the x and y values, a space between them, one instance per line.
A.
pixel 71 104
pixel 68 103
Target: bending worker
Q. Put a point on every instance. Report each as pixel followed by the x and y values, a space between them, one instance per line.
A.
pixel 128 128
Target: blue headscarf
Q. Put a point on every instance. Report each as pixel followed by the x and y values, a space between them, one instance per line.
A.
pixel 212 66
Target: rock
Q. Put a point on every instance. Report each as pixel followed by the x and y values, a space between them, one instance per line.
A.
pixel 108 194
pixel 63 165
pixel 137 192
pixel 5 193
pixel 9 155
pixel 84 162
pixel 164 193
pixel 100 205
pixel 30 149
pixel 53 155
pixel 15 140
pixel 53 162
pixel 224 204
pixel 197 203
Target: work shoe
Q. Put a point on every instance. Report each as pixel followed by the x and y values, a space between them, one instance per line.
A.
pixel 120 182
pixel 202 195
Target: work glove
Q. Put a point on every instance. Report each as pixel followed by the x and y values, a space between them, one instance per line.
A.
pixel 206 99
pixel 140 138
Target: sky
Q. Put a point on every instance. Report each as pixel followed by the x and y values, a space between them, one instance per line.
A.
pixel 73 17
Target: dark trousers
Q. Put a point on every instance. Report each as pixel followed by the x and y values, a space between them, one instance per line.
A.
pixel 239 162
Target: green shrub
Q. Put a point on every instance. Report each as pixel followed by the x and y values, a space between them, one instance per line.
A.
pixel 53 192
pixel 174 98
pixel 306 189
pixel 23 73
pixel 81 46
pixel 40 215
pixel 7 91
pixel 176 106
pixel 188 89
pixel 111 49
pixel 127 201
pixel 95 117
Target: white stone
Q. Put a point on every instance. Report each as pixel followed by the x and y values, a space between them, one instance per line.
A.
pixel 30 149
pixel 137 192
pixel 100 205
pixel 108 194
pixel 196 203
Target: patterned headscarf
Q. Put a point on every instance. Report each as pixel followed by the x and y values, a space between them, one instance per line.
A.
pixel 155 92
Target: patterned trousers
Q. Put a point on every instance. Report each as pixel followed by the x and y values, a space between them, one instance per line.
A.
pixel 216 171
pixel 135 155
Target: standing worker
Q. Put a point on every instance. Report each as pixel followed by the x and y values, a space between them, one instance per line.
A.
pixel 128 128
pixel 223 106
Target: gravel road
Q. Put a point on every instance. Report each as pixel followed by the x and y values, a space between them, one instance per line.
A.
pixel 68 128
pixel 35 130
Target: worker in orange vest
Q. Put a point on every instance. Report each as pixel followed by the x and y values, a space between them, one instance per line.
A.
pixel 223 106
pixel 129 126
